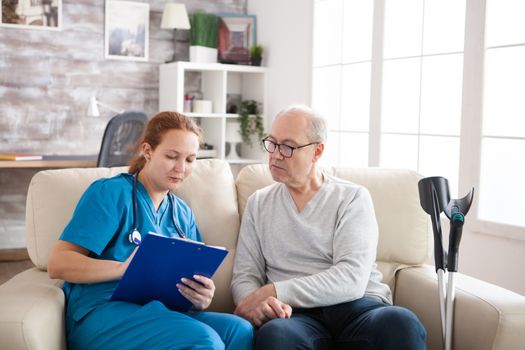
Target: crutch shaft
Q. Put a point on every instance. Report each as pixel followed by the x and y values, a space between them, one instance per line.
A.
pixel 442 300
pixel 449 333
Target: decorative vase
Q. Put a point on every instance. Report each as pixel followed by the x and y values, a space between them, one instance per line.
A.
pixel 233 138
pixel 203 54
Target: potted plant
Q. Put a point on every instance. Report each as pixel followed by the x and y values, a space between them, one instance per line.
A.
pixel 256 52
pixel 204 30
pixel 250 121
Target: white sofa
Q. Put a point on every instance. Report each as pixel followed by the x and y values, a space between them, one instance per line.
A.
pixel 32 305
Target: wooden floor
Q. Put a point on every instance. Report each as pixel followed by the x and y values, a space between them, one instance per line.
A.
pixel 12 262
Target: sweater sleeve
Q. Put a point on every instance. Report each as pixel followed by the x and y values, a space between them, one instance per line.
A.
pixel 249 266
pixel 354 253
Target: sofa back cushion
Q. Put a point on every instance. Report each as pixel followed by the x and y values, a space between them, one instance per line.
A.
pixel 404 238
pixel 209 191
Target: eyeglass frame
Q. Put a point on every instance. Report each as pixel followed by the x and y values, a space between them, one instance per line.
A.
pixel 278 146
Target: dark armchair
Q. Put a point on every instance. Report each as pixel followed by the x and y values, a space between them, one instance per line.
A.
pixel 121 133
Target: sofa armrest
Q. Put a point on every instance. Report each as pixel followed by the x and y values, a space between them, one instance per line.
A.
pixel 485 316
pixel 33 312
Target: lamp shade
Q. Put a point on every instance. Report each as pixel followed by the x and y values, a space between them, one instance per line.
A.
pixel 232 132
pixel 175 16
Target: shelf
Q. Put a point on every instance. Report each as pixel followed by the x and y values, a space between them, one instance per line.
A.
pixel 244 161
pixel 196 66
pixel 208 115
pixel 217 83
pixel 206 153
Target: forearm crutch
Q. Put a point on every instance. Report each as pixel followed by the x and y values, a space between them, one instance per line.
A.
pixel 435 198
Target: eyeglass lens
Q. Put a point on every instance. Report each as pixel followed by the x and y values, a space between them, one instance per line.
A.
pixel 286 151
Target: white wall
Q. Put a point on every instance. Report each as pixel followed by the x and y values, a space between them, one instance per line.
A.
pixel 284 28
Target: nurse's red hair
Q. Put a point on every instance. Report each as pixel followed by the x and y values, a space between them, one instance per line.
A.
pixel 155 130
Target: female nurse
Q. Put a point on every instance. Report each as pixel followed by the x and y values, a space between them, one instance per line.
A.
pixel 95 249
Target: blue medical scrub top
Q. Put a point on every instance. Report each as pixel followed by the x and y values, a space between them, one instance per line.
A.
pixel 102 222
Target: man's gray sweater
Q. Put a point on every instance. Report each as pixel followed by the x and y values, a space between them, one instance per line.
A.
pixel 324 255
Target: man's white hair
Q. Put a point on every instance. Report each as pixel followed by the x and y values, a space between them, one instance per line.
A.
pixel 317 131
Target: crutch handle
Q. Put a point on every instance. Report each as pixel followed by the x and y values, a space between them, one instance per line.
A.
pixel 456 230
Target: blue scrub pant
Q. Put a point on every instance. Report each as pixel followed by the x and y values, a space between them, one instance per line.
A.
pixel 121 325
pixel 365 323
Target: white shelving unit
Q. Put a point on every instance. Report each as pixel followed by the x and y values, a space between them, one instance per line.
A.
pixel 217 82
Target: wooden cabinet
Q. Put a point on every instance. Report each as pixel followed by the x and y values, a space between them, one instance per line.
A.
pixel 216 83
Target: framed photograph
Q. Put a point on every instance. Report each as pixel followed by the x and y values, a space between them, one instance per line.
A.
pixel 127 30
pixel 32 14
pixel 237 33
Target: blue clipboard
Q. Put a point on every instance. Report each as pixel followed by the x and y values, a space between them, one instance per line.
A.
pixel 159 264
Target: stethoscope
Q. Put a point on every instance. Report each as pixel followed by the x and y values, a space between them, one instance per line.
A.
pixel 135 236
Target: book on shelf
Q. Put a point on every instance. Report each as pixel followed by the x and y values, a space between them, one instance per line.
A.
pixel 159 264
pixel 19 156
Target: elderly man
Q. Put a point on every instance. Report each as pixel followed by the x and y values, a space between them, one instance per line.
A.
pixel 305 272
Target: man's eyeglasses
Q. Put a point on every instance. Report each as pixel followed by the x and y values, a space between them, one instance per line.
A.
pixel 285 150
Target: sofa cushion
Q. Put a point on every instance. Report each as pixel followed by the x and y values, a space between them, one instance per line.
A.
pixel 51 200
pixel 404 235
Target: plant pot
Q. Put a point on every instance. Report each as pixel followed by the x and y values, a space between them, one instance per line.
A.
pixel 255 60
pixel 203 54
pixel 253 151
pixel 233 140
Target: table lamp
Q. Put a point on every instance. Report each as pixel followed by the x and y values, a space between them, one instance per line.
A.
pixel 175 17
pixel 233 137
pixel 93 110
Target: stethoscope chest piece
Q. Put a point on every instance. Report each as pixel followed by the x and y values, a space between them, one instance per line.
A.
pixel 135 237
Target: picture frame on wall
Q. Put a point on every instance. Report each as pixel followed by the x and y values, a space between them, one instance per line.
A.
pixel 126 31
pixel 237 33
pixel 31 14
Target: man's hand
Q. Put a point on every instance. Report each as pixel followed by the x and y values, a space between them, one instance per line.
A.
pixel 199 293
pixel 262 306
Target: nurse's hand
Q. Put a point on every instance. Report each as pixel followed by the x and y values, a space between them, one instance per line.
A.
pixel 125 264
pixel 199 292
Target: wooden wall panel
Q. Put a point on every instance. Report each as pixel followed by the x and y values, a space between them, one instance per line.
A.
pixel 48 77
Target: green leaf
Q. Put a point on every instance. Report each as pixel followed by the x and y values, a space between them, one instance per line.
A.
pixel 250 125
pixel 204 29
